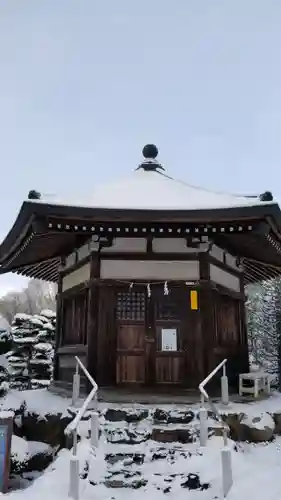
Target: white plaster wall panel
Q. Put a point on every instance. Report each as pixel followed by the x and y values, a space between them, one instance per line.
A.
pixel 171 245
pixel 231 261
pixel 70 260
pixel 126 245
pixel 217 253
pixel 83 251
pixel 149 270
pixel 224 278
pixel 76 277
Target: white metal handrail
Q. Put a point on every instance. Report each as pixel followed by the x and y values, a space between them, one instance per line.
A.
pixel 227 479
pixel 210 376
pixel 205 396
pixel 72 427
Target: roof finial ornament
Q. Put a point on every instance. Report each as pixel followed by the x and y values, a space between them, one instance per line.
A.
pixel 266 196
pixel 34 195
pixel 150 152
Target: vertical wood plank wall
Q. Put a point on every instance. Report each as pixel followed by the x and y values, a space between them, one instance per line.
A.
pixel 207 316
pixel 206 336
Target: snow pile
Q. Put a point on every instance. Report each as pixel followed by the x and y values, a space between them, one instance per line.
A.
pixel 5 340
pixel 4 376
pixel 40 401
pixel 5 346
pixel 19 449
pixel 156 469
pixel 31 357
pixel 22 450
pixel 188 473
pixel 264 421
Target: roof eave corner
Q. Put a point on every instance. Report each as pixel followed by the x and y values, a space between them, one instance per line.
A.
pixel 18 230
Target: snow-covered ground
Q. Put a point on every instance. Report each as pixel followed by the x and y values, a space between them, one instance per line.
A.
pixel 256 468
pixel 40 401
pixel 43 401
pixel 256 471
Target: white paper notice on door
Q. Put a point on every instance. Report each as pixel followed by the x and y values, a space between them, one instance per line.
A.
pixel 169 339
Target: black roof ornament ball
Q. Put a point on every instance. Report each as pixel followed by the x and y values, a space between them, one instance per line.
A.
pixel 34 195
pixel 267 196
pixel 150 152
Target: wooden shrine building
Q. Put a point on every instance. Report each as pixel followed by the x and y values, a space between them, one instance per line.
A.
pixel 151 274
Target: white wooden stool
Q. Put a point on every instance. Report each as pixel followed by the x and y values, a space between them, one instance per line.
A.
pixel 261 383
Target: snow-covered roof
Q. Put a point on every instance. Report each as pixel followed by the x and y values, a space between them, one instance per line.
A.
pixel 154 190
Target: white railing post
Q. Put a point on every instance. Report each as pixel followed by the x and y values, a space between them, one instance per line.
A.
pixel 94 430
pixel 227 479
pixel 203 419
pixel 224 387
pixel 74 478
pixel 73 426
pixel 76 386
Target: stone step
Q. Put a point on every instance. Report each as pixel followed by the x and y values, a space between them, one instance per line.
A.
pixel 134 425
pixel 137 469
pixel 158 415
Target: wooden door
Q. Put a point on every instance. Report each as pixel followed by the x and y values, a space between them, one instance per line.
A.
pixel 169 337
pixel 131 328
pixel 150 337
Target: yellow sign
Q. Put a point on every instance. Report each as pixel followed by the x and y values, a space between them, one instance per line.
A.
pixel 194 300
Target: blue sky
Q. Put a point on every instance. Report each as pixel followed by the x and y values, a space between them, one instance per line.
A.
pixel 85 84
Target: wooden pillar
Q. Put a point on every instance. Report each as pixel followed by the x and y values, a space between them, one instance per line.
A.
pixel 244 357
pixel 92 316
pixel 106 336
pixel 193 340
pixel 207 314
pixel 59 326
pixel 150 343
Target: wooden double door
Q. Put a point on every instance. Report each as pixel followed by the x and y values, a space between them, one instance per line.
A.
pixel 150 337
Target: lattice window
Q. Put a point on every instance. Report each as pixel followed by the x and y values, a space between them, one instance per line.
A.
pixel 130 306
pixel 227 328
pixel 166 308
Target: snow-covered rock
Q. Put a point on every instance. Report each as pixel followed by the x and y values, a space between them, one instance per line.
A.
pixel 28 456
pixel 258 428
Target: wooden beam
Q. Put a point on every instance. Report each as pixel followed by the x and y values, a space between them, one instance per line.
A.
pixel 150 256
pixel 225 267
pixel 77 265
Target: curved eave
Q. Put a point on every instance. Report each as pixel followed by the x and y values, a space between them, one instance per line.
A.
pixel 29 209
pixel 19 230
pixel 24 232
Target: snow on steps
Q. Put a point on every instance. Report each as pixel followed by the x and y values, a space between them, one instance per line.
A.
pixel 161 444
pixel 256 474
pixel 154 467
pixel 137 425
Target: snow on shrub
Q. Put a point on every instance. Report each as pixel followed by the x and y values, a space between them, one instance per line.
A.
pixel 30 360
